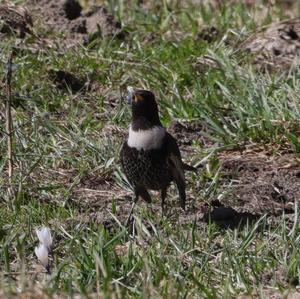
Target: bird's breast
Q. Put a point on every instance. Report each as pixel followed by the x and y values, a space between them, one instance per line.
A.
pixel 151 138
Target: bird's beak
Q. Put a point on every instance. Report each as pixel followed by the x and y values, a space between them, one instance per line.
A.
pixel 130 95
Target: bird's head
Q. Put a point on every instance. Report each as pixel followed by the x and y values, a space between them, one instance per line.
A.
pixel 144 107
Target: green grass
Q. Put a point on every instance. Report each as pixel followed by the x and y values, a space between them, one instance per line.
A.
pixel 62 137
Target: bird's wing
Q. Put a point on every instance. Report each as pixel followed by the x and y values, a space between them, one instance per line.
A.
pixel 174 158
pixel 176 167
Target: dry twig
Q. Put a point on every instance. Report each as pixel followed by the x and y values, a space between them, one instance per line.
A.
pixel 9 124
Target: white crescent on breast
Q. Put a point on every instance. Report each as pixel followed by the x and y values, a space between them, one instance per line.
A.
pixel 146 139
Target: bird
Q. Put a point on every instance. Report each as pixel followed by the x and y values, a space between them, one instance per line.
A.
pixel 150 157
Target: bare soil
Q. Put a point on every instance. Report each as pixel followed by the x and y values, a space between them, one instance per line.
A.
pixel 14 19
pixel 67 81
pixel 260 183
pixel 277 46
pixel 188 132
pixel 66 18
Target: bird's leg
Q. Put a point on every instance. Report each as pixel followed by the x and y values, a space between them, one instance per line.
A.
pixel 146 197
pixel 182 196
pixel 163 197
pixel 132 207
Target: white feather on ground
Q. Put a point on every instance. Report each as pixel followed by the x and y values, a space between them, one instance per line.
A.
pixel 42 254
pixel 44 236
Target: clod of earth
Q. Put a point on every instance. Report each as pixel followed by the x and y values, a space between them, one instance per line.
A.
pixel 78 26
pixel 188 132
pixel 72 9
pixel 184 134
pixel 15 19
pixel 67 81
pixel 277 47
pixel 208 34
pixel 98 21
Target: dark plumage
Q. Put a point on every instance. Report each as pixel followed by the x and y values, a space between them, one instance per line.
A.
pixel 150 156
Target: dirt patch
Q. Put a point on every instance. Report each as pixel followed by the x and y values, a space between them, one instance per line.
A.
pixel 270 276
pixel 105 215
pixel 185 133
pixel 66 81
pixel 75 24
pixel 14 19
pixel 87 85
pixel 102 202
pixel 188 132
pixel 258 183
pixel 97 191
pixel 278 46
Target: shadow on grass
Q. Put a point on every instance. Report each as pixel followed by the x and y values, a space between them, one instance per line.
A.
pixel 227 217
